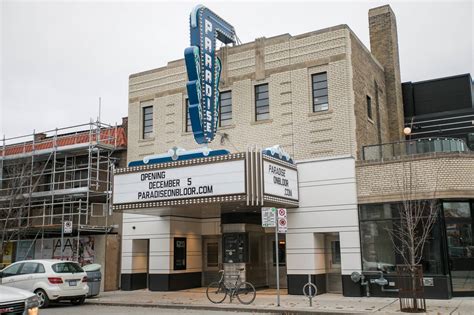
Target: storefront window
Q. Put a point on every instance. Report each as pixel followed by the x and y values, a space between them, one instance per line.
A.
pixel 377 247
pixel 457 210
pixel 378 251
pixel 460 241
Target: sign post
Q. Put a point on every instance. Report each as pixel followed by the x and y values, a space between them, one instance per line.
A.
pixel 277 266
pixel 273 217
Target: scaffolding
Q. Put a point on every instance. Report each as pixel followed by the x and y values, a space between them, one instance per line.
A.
pixel 55 176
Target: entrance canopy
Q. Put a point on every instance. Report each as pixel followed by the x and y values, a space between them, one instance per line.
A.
pixel 252 178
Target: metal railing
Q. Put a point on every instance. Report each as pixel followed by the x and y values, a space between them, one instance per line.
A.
pixel 396 150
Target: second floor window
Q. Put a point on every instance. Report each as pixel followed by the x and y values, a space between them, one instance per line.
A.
pixel 147 122
pixel 369 107
pixel 320 92
pixel 262 102
pixel 225 111
pixel 225 117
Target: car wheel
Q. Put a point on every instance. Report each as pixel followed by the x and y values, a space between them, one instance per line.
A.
pixel 78 301
pixel 42 297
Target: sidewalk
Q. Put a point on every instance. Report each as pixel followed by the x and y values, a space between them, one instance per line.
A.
pixel 266 303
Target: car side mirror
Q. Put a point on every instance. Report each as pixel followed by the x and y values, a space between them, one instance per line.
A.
pixel 1 274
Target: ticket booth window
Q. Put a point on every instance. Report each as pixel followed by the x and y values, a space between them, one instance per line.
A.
pixel 179 253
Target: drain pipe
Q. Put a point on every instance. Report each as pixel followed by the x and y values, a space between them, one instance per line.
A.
pixel 365 283
pixel 382 282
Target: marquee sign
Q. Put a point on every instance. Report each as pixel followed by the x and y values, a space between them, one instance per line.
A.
pixel 204 70
pixel 206 180
pixel 250 178
pixel 280 181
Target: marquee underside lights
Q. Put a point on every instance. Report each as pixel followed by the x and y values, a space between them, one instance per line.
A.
pixel 204 70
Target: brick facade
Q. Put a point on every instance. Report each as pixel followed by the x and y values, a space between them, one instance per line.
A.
pixel 384 46
pixel 286 63
pixel 368 81
pixel 440 175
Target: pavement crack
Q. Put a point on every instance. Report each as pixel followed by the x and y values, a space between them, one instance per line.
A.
pixel 456 308
pixel 385 306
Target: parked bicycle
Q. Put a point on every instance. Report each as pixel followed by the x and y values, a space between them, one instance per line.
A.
pixel 244 291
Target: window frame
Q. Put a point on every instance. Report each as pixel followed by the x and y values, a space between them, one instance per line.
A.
pixel 146 135
pixel 220 108
pixel 368 103
pixel 20 266
pixel 392 218
pixel 36 269
pixel 257 114
pixel 313 90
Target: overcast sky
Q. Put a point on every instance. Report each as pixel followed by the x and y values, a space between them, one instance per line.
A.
pixel 58 58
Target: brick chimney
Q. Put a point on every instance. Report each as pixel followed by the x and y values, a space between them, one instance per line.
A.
pixel 39 137
pixel 125 123
pixel 384 46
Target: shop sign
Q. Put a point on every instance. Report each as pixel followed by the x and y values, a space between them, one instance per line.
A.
pixel 280 181
pixel 204 70
pixel 205 180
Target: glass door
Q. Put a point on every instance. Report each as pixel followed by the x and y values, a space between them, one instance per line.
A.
pixel 211 259
pixel 459 233
pixel 333 264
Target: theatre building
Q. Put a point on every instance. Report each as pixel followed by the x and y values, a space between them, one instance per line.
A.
pixel 297 115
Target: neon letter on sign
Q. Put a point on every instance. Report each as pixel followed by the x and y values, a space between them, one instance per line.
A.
pixel 204 70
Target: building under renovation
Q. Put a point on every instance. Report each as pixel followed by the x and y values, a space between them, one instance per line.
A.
pixel 55 196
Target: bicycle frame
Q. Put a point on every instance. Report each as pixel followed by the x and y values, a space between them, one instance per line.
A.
pixel 230 288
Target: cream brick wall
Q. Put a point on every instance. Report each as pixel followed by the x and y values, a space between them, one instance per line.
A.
pixel 287 66
pixel 436 176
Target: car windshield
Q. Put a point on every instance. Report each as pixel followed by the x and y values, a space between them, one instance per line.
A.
pixel 66 267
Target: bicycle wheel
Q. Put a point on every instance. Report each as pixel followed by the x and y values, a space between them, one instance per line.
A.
pixel 216 292
pixel 246 293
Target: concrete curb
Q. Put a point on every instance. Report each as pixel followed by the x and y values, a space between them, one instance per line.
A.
pixel 230 308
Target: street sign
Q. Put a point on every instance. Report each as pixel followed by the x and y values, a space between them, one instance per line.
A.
pixel 268 217
pixel 67 227
pixel 282 225
pixel 282 221
pixel 281 212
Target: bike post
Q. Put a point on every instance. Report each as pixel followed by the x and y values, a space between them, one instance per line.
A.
pixel 310 292
pixel 311 287
pixel 277 259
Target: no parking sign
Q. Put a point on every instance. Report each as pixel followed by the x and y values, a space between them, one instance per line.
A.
pixel 67 227
pixel 282 221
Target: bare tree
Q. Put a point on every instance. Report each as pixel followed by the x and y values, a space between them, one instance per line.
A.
pixel 418 213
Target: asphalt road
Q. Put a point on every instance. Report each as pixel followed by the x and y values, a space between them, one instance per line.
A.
pixel 64 309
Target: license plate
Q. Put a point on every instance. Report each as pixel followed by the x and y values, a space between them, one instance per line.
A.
pixel 72 283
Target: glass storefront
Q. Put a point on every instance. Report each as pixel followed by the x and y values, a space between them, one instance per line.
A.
pixel 378 253
pixel 448 251
pixel 459 234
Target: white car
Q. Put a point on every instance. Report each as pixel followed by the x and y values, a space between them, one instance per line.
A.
pixel 50 280
pixel 17 301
